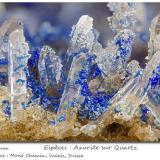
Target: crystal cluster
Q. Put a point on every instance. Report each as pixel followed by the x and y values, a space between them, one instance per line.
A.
pixel 91 86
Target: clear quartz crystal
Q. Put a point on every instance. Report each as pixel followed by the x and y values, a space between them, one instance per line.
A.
pixel 49 66
pixel 71 91
pixel 16 50
pixel 153 44
pixel 82 37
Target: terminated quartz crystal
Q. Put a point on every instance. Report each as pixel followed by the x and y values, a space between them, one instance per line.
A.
pixel 82 40
pixel 82 35
pixel 49 66
pixel 15 49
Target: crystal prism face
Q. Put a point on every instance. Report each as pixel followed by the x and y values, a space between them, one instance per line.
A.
pixel 89 88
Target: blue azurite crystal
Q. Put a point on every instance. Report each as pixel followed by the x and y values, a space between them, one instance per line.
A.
pixel 154 96
pixel 144 113
pixel 20 81
pixel 7 108
pixel 154 87
pixel 94 106
pixel 33 60
pixel 117 110
pixel 124 40
pixel 38 90
pixel 50 102
pixel 3 78
pixel 95 71
pixel 83 75
pixel 52 122
pixel 125 37
pixel 3 61
pixel 131 4
pixel 24 105
pixel 59 119
pixel 85 89
pixel 155 79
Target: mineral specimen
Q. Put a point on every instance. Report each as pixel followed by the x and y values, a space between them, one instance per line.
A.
pixel 90 92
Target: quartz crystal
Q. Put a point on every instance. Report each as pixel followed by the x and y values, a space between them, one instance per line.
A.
pixel 15 49
pixel 71 92
pixel 153 46
pixel 49 66
pixel 82 35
